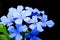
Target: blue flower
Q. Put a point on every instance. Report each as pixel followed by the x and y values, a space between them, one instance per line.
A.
pixel 44 19
pixel 16 32
pixel 6 21
pixel 35 24
pixel 18 14
pixel 32 35
pixel 14 13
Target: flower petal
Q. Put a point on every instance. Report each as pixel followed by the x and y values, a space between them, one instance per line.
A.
pixel 34 32
pixel 18 26
pixel 40 17
pixel 18 21
pixel 11 29
pixel 42 12
pixel 9 24
pixel 42 24
pixel 44 18
pixel 32 26
pixel 9 15
pixel 50 23
pixel 20 8
pixel 27 19
pixel 34 19
pixel 29 9
pixel 22 14
pixel 27 13
pixel 23 28
pixel 12 35
pixel 12 9
pixel 32 38
pixel 4 20
pixel 16 15
pixel 18 37
pixel 39 28
pixel 27 35
pixel 36 10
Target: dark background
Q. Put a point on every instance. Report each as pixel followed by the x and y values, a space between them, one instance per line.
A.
pixel 49 6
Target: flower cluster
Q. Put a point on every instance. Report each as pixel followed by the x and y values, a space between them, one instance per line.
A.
pixel 35 19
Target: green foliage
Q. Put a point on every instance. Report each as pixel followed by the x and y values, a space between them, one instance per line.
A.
pixel 5 35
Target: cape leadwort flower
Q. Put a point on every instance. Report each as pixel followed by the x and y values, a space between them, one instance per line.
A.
pixel 6 21
pixel 17 15
pixel 43 23
pixel 16 32
pixel 44 20
pixel 33 35
pixel 35 24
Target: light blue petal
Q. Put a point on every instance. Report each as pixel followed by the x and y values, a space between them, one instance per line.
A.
pixel 29 9
pixel 11 29
pixel 18 37
pixel 33 20
pixel 16 15
pixel 12 35
pixel 12 9
pixel 27 13
pixel 44 18
pixel 9 24
pixel 18 26
pixel 23 28
pixel 40 17
pixel 20 8
pixel 42 24
pixel 22 14
pixel 39 28
pixel 9 15
pixel 4 20
pixel 27 19
pixel 36 10
pixel 32 26
pixel 42 12
pixel 50 23
pixel 18 21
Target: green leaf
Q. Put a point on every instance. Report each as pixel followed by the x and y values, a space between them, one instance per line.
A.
pixel 3 29
pixel 5 35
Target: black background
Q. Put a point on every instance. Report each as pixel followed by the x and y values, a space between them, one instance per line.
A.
pixel 49 6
